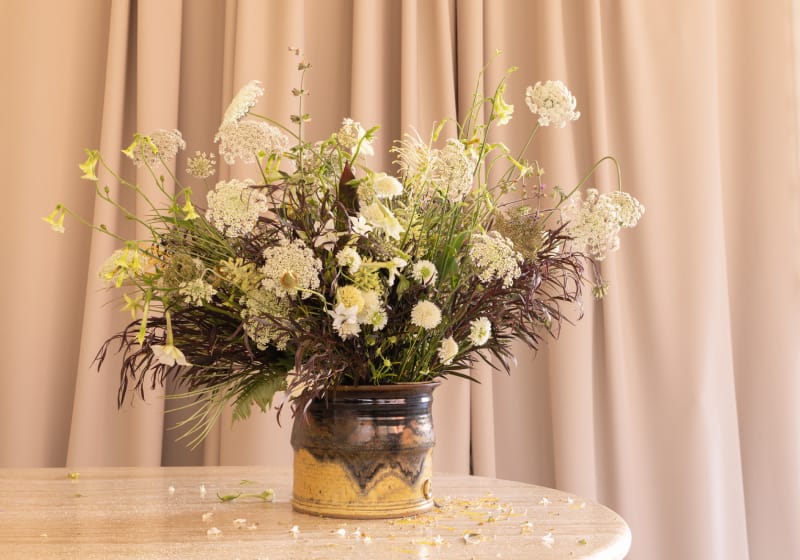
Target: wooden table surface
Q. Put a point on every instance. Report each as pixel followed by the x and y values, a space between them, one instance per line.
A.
pixel 175 512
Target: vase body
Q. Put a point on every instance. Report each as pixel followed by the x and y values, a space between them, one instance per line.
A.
pixel 365 453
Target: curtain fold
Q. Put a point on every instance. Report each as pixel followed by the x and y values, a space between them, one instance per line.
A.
pixel 674 400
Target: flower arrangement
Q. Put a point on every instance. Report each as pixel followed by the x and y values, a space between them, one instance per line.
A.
pixel 325 272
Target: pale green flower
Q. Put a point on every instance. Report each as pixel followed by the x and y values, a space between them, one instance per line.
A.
pixel 134 304
pixel 502 110
pixel 90 165
pixel 56 218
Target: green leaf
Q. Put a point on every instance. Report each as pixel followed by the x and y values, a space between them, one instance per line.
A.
pixel 259 392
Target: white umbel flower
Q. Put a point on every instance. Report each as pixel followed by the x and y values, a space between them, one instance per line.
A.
pixel 553 102
pixel 594 222
pixel 247 139
pixel 234 207
pixel 426 314
pixel 242 102
pixel 290 268
pixel 495 257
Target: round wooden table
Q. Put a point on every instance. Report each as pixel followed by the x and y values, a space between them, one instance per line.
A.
pixel 220 512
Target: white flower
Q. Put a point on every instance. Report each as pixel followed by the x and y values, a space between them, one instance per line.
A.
pixel 169 355
pixel 350 134
pixel 161 145
pixel 553 102
pixel 424 272
pixel 259 309
pixel 289 268
pixel 350 258
pixel 201 165
pixel 379 216
pixel 394 266
pixel 426 314
pixel 448 350
pixel 386 186
pixel 372 312
pixel 242 102
pixel 479 331
pixel 197 291
pixel 452 171
pixel 359 225
pixel 594 223
pixel 246 140
pixel 234 207
pixel 345 320
pixel 495 258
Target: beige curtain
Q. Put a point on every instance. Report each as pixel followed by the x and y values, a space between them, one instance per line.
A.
pixel 674 401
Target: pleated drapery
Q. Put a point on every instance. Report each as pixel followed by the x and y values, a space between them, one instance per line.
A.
pixel 674 400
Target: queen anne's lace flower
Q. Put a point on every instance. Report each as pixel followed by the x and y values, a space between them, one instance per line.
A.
pixel 480 330
pixel 234 207
pixel 163 146
pixel 290 268
pixel 247 139
pixel 201 165
pixel 495 258
pixel 453 170
pixel 242 102
pixel 261 308
pixel 553 102
pixel 448 350
pixel 594 222
pixel 196 291
pixel 426 314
